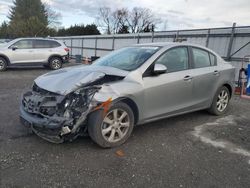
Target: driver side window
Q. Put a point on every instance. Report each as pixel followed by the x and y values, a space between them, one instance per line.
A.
pixel 175 59
pixel 24 44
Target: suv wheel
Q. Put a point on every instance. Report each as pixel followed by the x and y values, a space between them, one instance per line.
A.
pixel 3 64
pixel 113 128
pixel 55 63
pixel 220 101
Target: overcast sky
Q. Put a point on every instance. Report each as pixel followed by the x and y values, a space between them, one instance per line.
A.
pixel 175 14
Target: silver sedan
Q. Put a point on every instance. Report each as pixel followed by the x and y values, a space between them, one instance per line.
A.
pixel 130 86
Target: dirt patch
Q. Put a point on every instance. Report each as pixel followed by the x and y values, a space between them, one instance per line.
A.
pixel 230 133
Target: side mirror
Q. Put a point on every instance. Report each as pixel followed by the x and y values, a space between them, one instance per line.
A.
pixel 160 69
pixel 14 48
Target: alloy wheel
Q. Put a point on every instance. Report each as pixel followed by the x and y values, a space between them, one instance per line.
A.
pixel 56 64
pixel 115 125
pixel 2 64
pixel 222 100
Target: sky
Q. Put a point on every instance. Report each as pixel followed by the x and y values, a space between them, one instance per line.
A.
pixel 174 14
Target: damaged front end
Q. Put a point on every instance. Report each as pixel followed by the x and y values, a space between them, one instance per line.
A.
pixel 60 101
pixel 55 117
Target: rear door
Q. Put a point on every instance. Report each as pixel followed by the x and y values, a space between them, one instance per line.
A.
pixel 43 49
pixel 169 93
pixel 205 76
pixel 21 52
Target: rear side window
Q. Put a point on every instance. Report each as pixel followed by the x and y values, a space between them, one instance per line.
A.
pixel 175 59
pixel 45 44
pixel 201 58
pixel 212 59
pixel 54 44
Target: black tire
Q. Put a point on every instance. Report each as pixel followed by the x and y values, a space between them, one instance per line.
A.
pixel 55 63
pixel 214 108
pixel 96 125
pixel 3 64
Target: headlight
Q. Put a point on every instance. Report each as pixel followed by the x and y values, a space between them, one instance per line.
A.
pixel 66 104
pixel 77 102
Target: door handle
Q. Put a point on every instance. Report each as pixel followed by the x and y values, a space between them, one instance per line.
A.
pixel 187 78
pixel 216 72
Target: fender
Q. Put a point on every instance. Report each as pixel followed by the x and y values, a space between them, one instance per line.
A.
pixel 5 57
pixel 54 55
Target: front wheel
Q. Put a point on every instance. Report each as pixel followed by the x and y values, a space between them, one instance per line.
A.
pixel 55 63
pixel 220 101
pixel 113 128
pixel 3 64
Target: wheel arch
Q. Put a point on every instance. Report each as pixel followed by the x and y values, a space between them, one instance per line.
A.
pixel 55 55
pixel 229 87
pixel 132 104
pixel 6 58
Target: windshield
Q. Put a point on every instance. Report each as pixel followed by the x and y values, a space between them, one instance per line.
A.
pixel 127 58
pixel 3 44
pixel 6 43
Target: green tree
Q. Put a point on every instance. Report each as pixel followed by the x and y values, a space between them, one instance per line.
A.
pixel 79 30
pixel 4 31
pixel 91 30
pixel 28 18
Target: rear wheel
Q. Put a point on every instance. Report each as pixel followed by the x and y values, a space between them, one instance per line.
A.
pixel 220 101
pixel 113 128
pixel 3 64
pixel 55 63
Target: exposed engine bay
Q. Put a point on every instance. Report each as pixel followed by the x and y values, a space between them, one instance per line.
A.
pixel 58 118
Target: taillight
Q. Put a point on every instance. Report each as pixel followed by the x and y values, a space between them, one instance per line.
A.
pixel 66 49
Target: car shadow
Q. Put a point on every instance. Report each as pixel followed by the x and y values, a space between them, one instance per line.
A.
pixel 174 122
pixel 181 123
pixel 173 126
pixel 38 67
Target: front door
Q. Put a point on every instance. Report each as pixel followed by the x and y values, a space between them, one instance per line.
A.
pixel 169 93
pixel 22 52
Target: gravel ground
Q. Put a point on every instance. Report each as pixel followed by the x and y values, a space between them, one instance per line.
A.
pixel 184 151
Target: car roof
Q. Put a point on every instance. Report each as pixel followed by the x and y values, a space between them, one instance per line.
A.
pixel 35 38
pixel 173 44
pixel 168 44
pixel 31 38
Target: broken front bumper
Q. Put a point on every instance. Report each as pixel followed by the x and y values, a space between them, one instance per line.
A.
pixel 55 117
pixel 34 120
pixel 50 129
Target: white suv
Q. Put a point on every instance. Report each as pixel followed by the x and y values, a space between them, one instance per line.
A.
pixel 33 51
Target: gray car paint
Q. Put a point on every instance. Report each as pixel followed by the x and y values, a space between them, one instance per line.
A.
pixel 66 80
pixel 156 96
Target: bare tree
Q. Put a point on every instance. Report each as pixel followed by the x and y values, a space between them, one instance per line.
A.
pixel 104 19
pixel 120 17
pixel 141 20
pixel 125 21
pixel 112 21
pixel 53 17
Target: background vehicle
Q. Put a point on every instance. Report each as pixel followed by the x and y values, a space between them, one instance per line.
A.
pixel 130 86
pixel 33 51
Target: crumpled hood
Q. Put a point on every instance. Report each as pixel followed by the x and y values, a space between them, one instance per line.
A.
pixel 66 80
